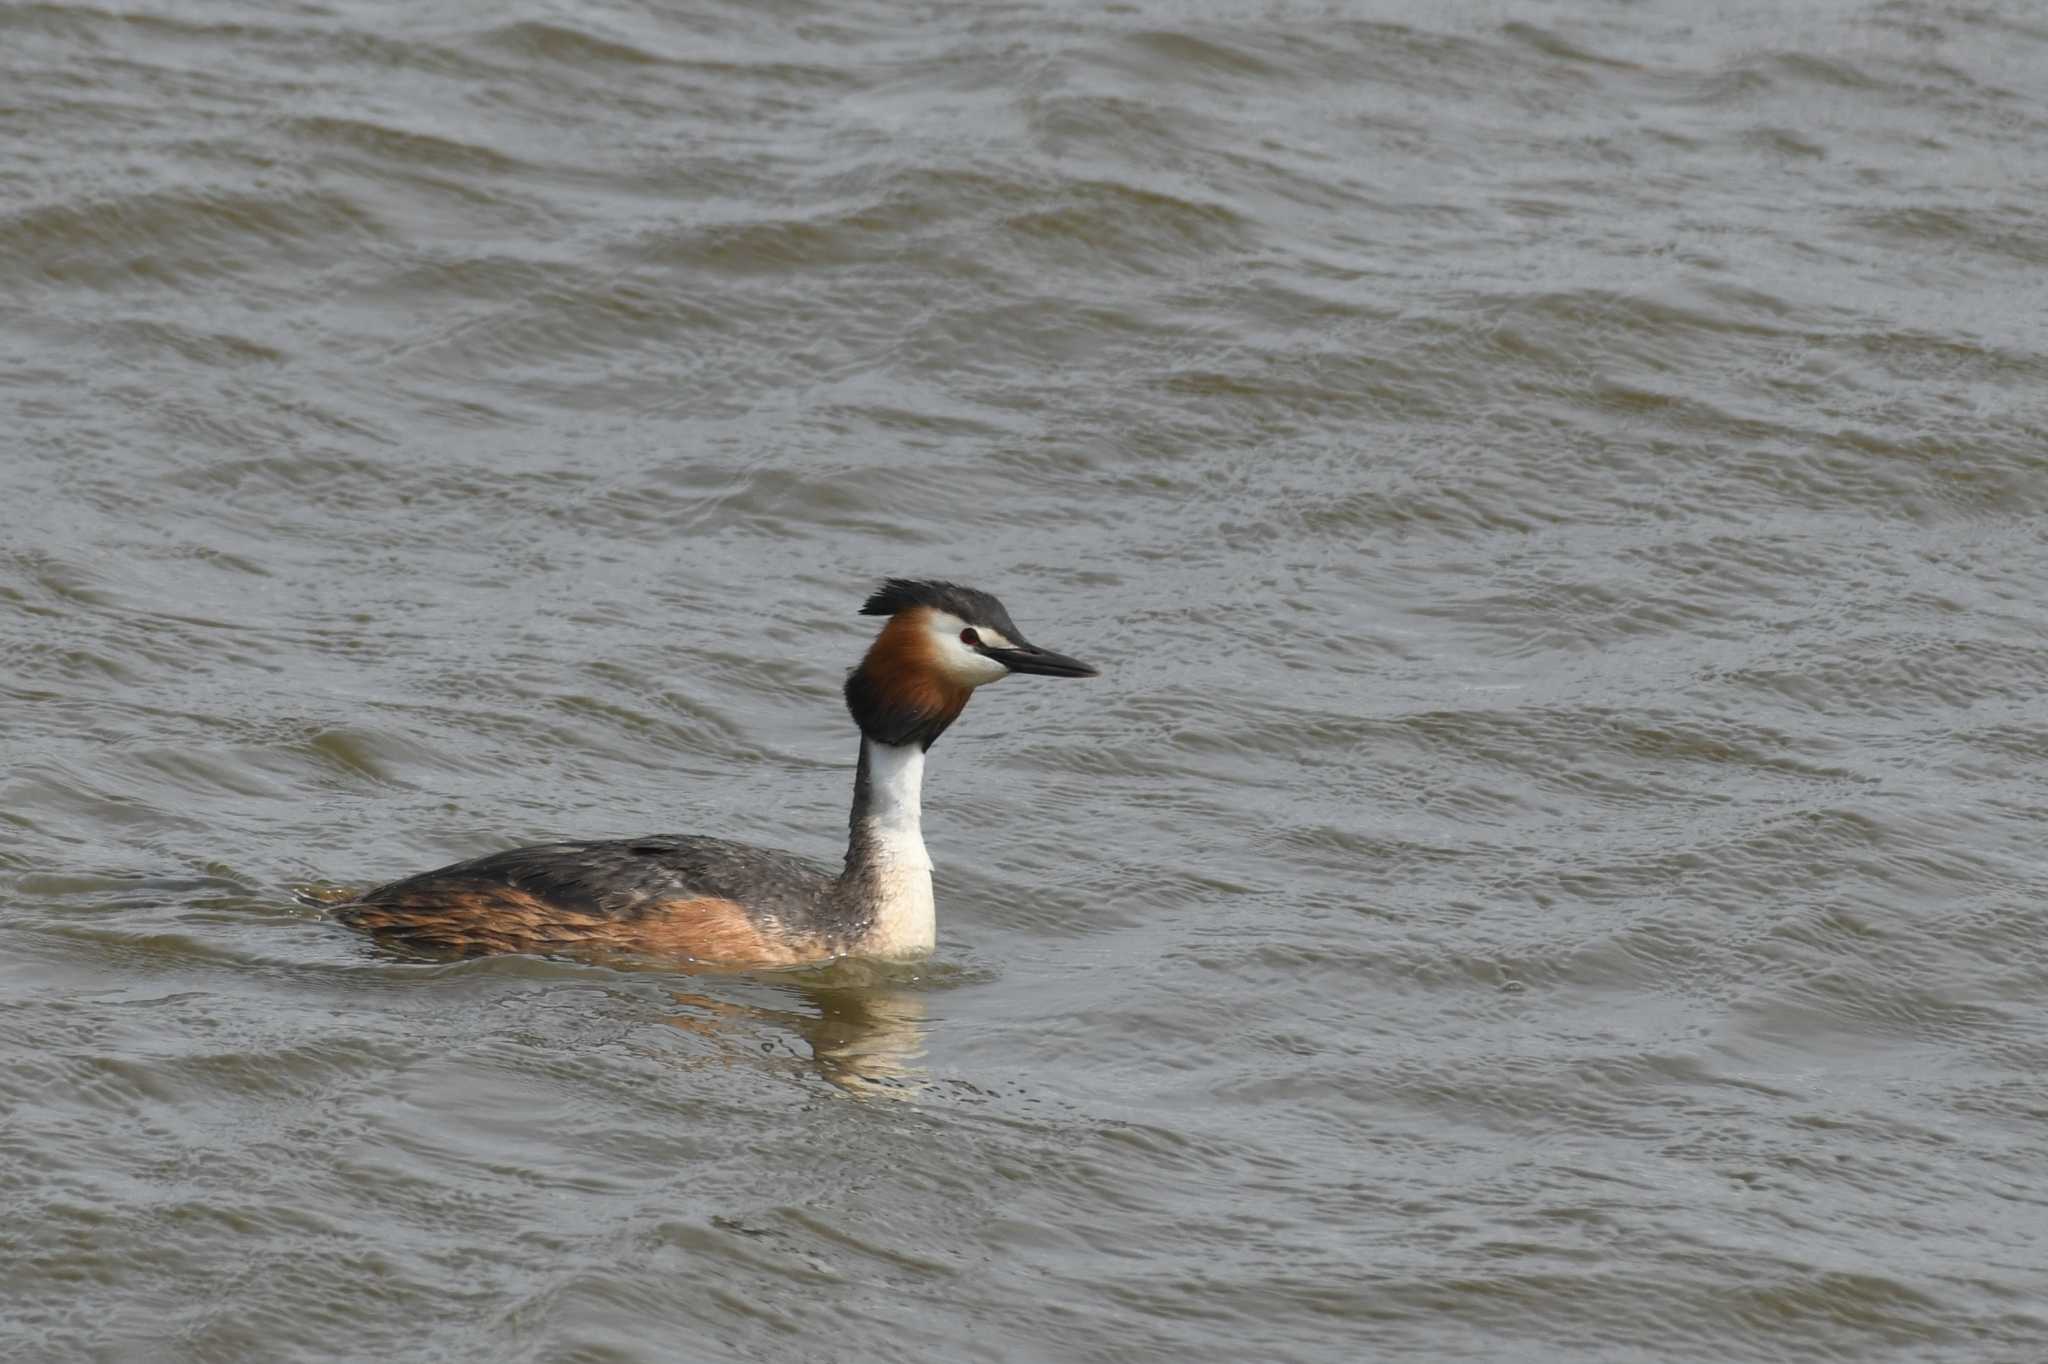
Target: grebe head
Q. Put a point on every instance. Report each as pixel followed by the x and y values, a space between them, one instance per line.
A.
pixel 942 641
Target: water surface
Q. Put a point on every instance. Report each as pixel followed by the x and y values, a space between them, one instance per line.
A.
pixel 1551 870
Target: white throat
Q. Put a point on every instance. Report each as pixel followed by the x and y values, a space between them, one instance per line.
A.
pixel 906 922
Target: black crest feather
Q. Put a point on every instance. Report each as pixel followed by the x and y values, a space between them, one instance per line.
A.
pixel 977 608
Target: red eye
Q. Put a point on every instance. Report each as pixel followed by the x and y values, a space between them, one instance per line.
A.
pixel 968 636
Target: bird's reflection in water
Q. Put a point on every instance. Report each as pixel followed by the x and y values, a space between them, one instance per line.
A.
pixel 862 1023
pixel 866 1039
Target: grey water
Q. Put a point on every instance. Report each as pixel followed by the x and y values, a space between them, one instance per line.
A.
pixel 1552 869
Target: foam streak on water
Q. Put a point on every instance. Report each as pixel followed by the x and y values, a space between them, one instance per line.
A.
pixel 1551 871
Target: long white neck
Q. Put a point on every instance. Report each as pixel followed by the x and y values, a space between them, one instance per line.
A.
pixel 886 862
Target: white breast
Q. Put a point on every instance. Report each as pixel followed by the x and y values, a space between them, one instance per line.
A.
pixel 906 921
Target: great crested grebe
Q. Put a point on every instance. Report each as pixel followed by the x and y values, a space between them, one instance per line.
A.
pixel 729 904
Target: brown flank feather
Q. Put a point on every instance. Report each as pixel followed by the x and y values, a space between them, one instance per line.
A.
pixel 479 919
